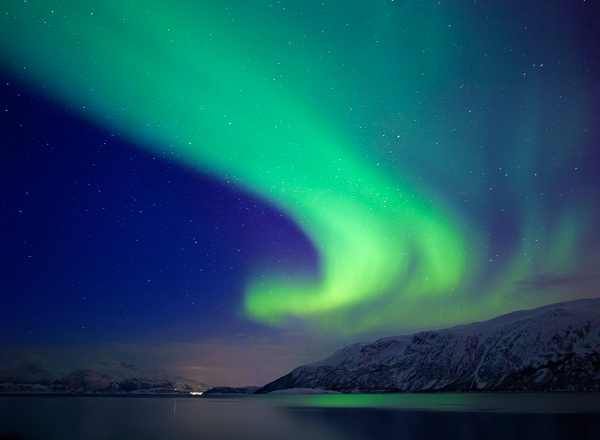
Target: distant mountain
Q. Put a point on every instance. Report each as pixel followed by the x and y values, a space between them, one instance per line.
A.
pixel 551 348
pixel 28 378
pixel 101 378
pixel 232 390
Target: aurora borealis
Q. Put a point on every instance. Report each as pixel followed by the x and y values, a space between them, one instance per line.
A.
pixel 427 164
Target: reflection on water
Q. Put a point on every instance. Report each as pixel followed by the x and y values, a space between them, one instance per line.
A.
pixel 407 425
pixel 496 402
pixel 331 417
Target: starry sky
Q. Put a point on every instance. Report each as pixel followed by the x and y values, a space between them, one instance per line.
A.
pixel 226 190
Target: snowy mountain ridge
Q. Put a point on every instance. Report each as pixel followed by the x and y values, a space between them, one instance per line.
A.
pixel 100 378
pixel 551 348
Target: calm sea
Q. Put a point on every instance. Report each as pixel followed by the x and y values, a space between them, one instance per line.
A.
pixel 328 417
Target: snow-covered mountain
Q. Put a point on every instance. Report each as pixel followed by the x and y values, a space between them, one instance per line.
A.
pixel 29 378
pixel 100 378
pixel 551 348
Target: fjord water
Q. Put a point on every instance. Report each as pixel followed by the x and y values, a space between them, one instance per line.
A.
pixel 355 417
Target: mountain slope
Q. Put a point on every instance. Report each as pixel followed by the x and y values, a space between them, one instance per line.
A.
pixel 551 348
pixel 101 378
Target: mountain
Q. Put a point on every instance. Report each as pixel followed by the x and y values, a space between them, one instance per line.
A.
pixel 100 378
pixel 28 378
pixel 232 390
pixel 551 348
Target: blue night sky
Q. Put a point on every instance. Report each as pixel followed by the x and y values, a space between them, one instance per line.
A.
pixel 226 191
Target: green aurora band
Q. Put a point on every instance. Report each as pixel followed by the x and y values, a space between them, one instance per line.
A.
pixel 248 96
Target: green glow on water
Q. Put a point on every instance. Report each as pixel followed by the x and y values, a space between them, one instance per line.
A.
pixel 556 403
pixel 448 402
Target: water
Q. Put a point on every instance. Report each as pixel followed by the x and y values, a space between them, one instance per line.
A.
pixel 350 417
